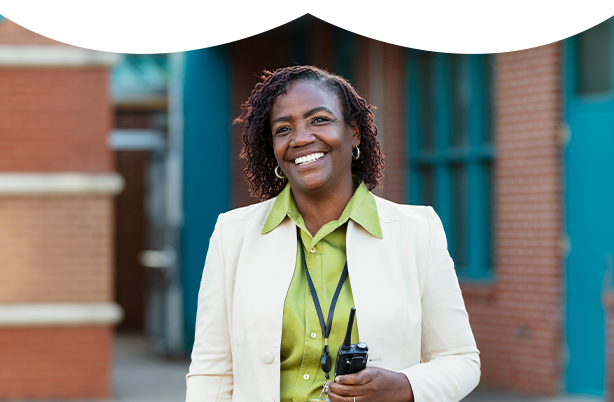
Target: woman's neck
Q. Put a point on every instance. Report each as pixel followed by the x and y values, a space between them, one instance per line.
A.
pixel 318 210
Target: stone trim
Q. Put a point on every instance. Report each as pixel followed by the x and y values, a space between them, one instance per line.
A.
pixel 54 56
pixel 59 314
pixel 36 184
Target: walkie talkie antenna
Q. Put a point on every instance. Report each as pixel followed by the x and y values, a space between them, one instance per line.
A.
pixel 348 335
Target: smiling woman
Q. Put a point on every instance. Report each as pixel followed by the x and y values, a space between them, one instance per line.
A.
pixel 319 244
pixel 339 103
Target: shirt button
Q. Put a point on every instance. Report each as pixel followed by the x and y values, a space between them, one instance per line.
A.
pixel 313 335
pixel 312 250
pixel 306 377
pixel 267 357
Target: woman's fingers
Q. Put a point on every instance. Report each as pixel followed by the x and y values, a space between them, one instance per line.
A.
pixel 351 385
pixel 346 390
pixel 362 377
pixel 371 385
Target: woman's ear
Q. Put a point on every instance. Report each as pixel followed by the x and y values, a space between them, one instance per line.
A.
pixel 355 132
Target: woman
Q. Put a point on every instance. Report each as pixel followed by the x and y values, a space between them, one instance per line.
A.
pixel 312 154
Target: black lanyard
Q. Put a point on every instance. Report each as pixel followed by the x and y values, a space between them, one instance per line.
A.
pixel 326 361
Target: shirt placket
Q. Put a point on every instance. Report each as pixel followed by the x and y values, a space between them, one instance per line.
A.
pixel 314 341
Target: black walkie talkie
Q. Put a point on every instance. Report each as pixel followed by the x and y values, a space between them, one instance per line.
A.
pixel 351 358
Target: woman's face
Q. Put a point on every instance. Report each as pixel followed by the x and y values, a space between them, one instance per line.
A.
pixel 311 140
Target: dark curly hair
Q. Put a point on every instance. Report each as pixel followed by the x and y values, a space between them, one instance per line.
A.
pixel 257 149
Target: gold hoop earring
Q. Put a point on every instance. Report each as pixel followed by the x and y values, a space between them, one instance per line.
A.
pixel 277 173
pixel 355 157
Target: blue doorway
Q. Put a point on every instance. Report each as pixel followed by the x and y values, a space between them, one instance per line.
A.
pixel 589 204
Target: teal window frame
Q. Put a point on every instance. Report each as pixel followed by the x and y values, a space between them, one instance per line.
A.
pixel 455 177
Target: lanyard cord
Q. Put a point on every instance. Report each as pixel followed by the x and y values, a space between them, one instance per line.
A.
pixel 326 327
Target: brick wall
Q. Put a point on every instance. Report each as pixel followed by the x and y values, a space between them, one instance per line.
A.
pixel 54 249
pixel 55 362
pixel 142 30
pixel 54 119
pixel 56 29
pixel 517 321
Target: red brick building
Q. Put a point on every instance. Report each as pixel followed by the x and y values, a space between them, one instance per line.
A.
pixel 74 109
pixel 56 213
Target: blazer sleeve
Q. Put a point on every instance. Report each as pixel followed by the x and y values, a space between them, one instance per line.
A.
pixel 450 364
pixel 210 377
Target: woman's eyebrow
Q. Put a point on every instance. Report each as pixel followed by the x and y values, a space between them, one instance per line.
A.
pixel 305 115
pixel 282 118
pixel 317 110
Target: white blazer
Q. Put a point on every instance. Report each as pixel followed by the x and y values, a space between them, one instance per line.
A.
pixel 408 303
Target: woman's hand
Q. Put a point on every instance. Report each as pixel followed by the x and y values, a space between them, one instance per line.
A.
pixel 372 384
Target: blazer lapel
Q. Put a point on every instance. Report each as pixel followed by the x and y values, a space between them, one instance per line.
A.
pixel 377 284
pixel 264 273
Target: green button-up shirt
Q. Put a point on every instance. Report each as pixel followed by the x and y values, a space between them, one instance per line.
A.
pixel 302 341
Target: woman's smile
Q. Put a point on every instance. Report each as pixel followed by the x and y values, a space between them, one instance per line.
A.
pixel 308 159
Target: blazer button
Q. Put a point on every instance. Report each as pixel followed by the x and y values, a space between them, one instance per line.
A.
pixel 267 399
pixel 268 359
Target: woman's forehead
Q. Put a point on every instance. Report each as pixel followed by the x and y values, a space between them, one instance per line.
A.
pixel 302 96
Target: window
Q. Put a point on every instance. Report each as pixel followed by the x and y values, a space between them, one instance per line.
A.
pixel 593 60
pixel 451 151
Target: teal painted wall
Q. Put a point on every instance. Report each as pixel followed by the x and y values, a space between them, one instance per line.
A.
pixel 589 206
pixel 206 166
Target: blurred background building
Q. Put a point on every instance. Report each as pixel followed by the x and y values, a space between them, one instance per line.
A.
pixel 513 150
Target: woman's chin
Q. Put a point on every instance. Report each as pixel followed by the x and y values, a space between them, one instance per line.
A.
pixel 309 184
pixel 317 186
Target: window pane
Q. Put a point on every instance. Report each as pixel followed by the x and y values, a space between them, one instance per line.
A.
pixel 458 249
pixel 427 185
pixel 426 67
pixel 487 76
pixel 489 215
pixel 459 98
pixel 593 60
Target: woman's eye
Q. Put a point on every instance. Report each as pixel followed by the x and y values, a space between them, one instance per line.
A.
pixel 320 119
pixel 281 130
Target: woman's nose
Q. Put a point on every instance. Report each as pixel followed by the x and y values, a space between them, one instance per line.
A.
pixel 302 135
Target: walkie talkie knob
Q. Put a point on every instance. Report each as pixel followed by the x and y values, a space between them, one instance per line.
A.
pixel 362 346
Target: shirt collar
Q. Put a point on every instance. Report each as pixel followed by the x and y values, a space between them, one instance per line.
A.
pixel 361 207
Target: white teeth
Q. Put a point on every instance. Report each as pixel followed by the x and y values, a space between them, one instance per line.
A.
pixel 307 159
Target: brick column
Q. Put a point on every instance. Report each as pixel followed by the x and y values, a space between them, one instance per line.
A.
pixel 56 194
pixel 517 320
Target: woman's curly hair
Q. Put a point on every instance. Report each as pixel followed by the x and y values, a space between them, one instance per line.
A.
pixel 258 151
